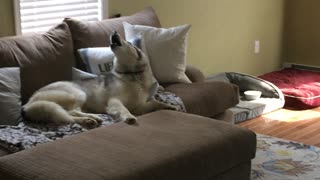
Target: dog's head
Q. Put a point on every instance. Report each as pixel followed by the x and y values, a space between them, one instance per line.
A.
pixel 128 56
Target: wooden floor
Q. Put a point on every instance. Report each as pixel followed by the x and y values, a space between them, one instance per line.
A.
pixel 300 126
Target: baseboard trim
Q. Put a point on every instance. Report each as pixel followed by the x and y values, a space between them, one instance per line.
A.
pixel 301 66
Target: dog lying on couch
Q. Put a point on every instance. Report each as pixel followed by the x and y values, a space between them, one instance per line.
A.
pixel 129 88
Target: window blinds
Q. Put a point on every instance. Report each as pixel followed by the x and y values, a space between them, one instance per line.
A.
pixel 41 15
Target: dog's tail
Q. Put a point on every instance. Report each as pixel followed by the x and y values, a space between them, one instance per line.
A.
pixel 45 112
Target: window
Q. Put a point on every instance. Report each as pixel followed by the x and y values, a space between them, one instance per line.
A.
pixel 41 15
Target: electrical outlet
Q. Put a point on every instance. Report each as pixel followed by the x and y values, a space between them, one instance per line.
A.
pixel 256 46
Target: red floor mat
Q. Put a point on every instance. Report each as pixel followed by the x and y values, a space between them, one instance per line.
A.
pixel 301 88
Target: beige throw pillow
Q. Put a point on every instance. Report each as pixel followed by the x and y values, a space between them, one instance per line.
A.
pixel 166 49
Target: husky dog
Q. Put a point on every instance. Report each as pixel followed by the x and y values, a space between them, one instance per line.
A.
pixel 129 88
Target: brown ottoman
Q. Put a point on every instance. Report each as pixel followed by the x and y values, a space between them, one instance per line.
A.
pixel 164 145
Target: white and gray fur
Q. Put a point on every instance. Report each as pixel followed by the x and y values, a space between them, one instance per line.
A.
pixel 127 91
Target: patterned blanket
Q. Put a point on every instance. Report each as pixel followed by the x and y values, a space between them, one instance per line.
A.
pixel 27 135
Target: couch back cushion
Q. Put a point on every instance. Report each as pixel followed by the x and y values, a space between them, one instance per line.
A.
pixel 43 58
pixel 96 34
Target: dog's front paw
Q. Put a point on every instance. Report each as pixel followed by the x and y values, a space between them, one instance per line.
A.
pixel 98 119
pixel 90 122
pixel 130 120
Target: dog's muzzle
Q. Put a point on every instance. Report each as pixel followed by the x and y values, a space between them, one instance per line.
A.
pixel 115 40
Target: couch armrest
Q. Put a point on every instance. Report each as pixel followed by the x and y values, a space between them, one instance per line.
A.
pixel 206 98
pixel 226 116
pixel 194 74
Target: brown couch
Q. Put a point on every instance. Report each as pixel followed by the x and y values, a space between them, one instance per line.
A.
pixel 164 145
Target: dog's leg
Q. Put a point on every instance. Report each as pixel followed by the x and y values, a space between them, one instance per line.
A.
pixel 46 112
pixel 51 112
pixel 153 105
pixel 119 112
pixel 78 113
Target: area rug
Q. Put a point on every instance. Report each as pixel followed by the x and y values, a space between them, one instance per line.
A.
pixel 279 159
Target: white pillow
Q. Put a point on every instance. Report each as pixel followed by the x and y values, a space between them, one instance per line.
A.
pixel 166 49
pixel 77 74
pixel 98 60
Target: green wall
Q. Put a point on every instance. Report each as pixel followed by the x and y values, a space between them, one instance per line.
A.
pixel 6 18
pixel 302 37
pixel 222 34
pixel 223 31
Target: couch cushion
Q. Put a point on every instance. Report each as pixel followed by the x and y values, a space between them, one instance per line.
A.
pixel 96 34
pixel 10 98
pixel 164 145
pixel 206 98
pixel 43 58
